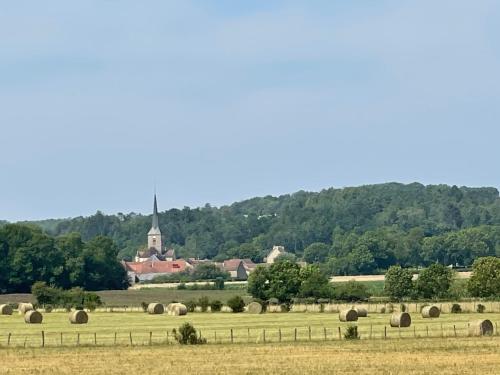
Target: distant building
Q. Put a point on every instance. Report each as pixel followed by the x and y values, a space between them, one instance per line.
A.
pixel 236 269
pixel 275 253
pixel 170 255
pixel 148 270
pixel 154 251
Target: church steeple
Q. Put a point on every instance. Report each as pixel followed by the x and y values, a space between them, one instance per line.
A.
pixel 155 214
pixel 154 234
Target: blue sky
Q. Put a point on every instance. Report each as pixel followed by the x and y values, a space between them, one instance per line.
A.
pixel 218 101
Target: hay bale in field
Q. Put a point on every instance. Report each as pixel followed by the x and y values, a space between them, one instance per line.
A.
pixel 171 306
pixel 362 312
pixel 349 315
pixel 178 309
pixel 402 320
pixel 430 312
pixel 155 308
pixel 78 317
pixel 274 309
pixel 254 308
pixel 23 308
pixel 5 310
pixel 481 328
pixel 33 317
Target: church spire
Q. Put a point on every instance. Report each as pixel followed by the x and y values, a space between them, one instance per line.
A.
pixel 155 214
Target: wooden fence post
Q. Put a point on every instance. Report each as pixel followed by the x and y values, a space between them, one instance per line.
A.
pixel 232 338
pixel 215 336
pixel 309 333
pixel 324 330
pixel 340 334
pixel 78 339
pixel 371 331
pixel 130 337
pixel 295 334
pixel 115 339
pixel 8 339
pixel 454 330
pixel 43 339
pixel 61 339
pixel 279 334
pixel 385 332
pixel 95 338
pixel 150 338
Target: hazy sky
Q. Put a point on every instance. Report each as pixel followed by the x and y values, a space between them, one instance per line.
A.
pixel 217 101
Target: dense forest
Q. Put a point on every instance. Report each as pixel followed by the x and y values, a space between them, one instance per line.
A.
pixel 351 230
pixel 28 255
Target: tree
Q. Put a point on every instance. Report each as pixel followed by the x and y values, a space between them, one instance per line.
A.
pixel 434 281
pixel 485 279
pixel 398 283
pixel 208 271
pixel 284 281
pixel 316 252
pixel 236 304
pixel 314 283
pixel 258 283
pixel 102 269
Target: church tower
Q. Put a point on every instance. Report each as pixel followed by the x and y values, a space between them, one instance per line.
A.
pixel 154 234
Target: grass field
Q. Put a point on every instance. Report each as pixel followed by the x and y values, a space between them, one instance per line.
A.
pixel 424 356
pixel 92 348
pixel 216 327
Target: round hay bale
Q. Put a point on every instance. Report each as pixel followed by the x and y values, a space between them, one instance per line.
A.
pixel 362 312
pixel 171 307
pixel 254 308
pixel 33 317
pixel 430 312
pixel 156 308
pixel 5 310
pixel 349 315
pixel 79 317
pixel 481 328
pixel 178 309
pixel 23 308
pixel 402 320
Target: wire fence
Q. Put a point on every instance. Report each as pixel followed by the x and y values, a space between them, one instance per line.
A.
pixel 233 335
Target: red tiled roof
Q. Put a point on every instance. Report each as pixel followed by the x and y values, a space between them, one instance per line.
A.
pixel 157 266
pixel 232 264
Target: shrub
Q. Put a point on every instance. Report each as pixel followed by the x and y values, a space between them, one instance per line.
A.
pixel 48 308
pixel 456 308
pixel 181 286
pixel 204 302
pixel 187 335
pixel 351 291
pixel 144 306
pixel 236 304
pixel 480 308
pixel 190 305
pixel 215 306
pixel 351 333
pixel 402 307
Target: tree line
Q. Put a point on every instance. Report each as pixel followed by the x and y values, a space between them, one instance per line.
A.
pixel 28 255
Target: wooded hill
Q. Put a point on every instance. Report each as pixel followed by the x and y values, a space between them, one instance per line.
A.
pixel 350 230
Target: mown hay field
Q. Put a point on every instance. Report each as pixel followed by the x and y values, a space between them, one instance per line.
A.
pixel 106 328
pixel 411 356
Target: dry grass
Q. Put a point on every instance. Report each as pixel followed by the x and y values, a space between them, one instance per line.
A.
pixel 424 356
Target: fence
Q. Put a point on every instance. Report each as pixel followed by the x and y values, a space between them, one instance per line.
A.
pixel 234 335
